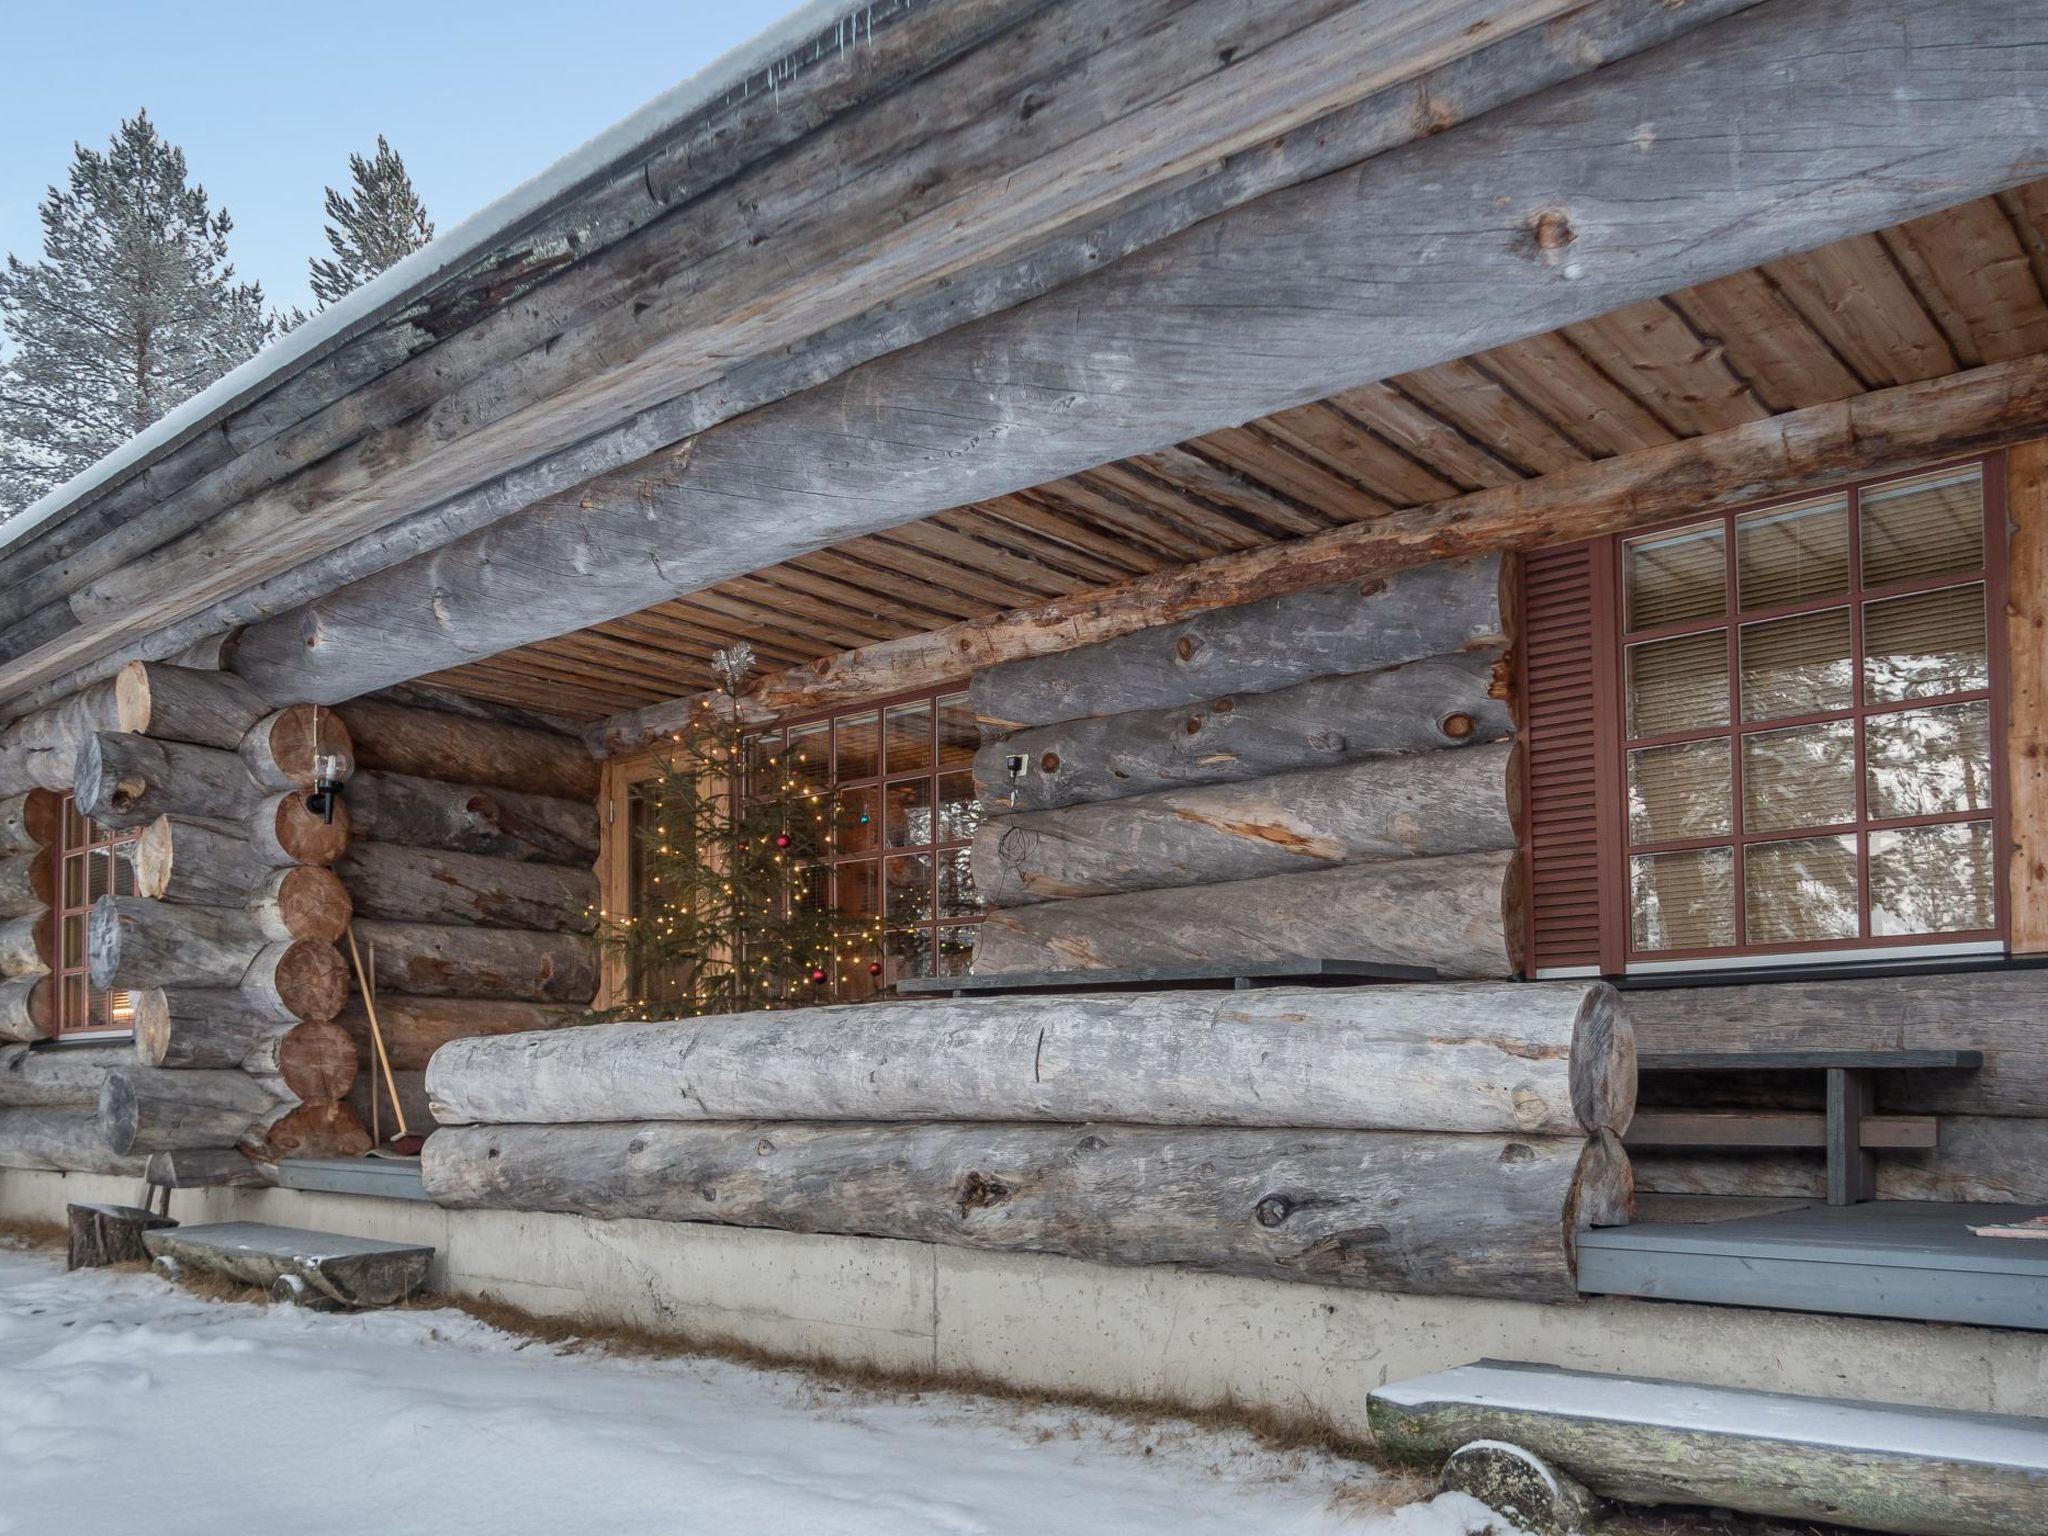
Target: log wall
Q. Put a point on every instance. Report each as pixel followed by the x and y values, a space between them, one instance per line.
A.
pixel 28 925
pixel 1324 774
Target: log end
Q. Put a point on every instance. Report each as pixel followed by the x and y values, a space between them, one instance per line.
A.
pixel 1603 1063
pixel 131 698
pixel 310 979
pixel 28 1009
pixel 152 1018
pixel 42 814
pixel 312 903
pixel 305 836
pixel 153 858
pixel 1603 1192
pixel 297 736
pixel 314 1130
pixel 317 1061
pixel 103 943
pixel 120 1112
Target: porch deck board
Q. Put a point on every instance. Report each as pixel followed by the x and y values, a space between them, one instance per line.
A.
pixel 1904 1259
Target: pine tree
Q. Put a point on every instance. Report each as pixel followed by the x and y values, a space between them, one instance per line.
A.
pixel 379 222
pixel 133 309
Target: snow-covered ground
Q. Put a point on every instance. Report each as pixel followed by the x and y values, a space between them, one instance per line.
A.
pixel 128 1405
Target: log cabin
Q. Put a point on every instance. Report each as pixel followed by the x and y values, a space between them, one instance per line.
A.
pixel 1437 615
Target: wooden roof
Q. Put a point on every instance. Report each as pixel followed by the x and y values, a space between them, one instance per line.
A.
pixel 1952 291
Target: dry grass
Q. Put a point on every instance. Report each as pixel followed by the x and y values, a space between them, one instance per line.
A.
pixel 39 1236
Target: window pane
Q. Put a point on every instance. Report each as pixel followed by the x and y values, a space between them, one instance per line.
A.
pixel 1933 879
pixel 857 824
pixel 1800 891
pixel 1796 666
pixel 74 880
pixel 909 810
pixel 1678 792
pixel 858 889
pixel 1683 900
pixel 956 949
pixel 1924 527
pixel 806 762
pixel 858 741
pixel 957 895
pixel 910 738
pixel 908 953
pixel 72 950
pixel 1924 762
pixel 909 882
pixel 958 733
pixel 1803 777
pixel 1927 644
pixel 1672 577
pixel 959 809
pixel 1793 554
pixel 1677 685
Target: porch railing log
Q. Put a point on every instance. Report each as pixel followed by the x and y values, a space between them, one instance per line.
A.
pixel 60 1138
pixel 143 1110
pixel 468 818
pixel 461 749
pixel 1552 1059
pixel 28 883
pixel 415 1027
pixel 431 885
pixel 1458 913
pixel 281 749
pixel 27 1008
pixel 28 944
pixel 1418 706
pixel 508 964
pixel 211 709
pixel 71 1076
pixel 1383 808
pixel 1445 1215
pixel 1431 610
pixel 29 820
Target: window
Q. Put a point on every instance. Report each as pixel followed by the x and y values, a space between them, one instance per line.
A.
pixel 94 863
pixel 1809 723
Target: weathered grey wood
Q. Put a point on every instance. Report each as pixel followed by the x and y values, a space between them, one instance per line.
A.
pixel 207 1168
pixel 439 960
pixel 1551 1060
pixel 1420 806
pixel 462 750
pixel 1999 1012
pixel 27 1008
pixel 46 1076
pixel 144 1110
pixel 308 1267
pixel 1994 1159
pixel 64 1138
pixel 1238 318
pixel 1459 913
pixel 1772 1128
pixel 420 1119
pixel 467 818
pixel 29 820
pixel 28 883
pixel 1453 1215
pixel 282 750
pixel 134 941
pixel 429 885
pixel 38 750
pixel 184 1027
pixel 1450 606
pixel 193 861
pixel 1875 1466
pixel 125 780
pixel 1852 1170
pixel 1522 1488
pixel 1822 1060
pixel 415 1027
pixel 209 709
pixel 1420 706
pixel 101 1235
pixel 28 945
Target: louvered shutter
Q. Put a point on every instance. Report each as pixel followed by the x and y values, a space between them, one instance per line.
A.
pixel 1568 693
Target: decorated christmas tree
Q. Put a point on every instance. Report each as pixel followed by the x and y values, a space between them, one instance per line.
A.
pixel 733 909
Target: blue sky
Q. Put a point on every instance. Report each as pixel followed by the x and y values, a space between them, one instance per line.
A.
pixel 267 101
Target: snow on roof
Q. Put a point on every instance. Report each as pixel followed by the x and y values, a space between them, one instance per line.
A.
pixel 816 29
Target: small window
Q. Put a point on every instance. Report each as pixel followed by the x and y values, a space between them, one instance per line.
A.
pixel 93 862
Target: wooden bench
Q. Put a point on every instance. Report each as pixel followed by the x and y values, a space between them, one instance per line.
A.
pixel 1849 1130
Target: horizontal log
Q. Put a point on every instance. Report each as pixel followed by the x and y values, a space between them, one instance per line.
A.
pixel 1433 610
pixel 1554 1059
pixel 28 1008
pixel 282 750
pixel 62 1138
pixel 1979 1158
pixel 209 709
pixel 135 942
pixel 206 1168
pixel 1420 706
pixel 460 749
pixel 28 883
pixel 28 945
pixel 125 780
pixel 1459 914
pixel 438 960
pixel 428 885
pixel 186 1027
pixel 39 750
pixel 30 820
pixel 144 1110
pixel 467 818
pixel 45 1076
pixel 1997 1012
pixel 1420 806
pixel 1426 1214
pixel 415 1027
pixel 196 862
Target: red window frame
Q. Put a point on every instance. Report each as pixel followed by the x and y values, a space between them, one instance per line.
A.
pixel 92 861
pixel 1620 952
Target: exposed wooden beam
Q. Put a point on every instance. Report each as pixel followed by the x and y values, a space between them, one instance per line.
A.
pixel 1785 455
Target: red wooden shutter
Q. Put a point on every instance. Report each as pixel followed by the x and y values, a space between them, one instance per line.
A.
pixel 1567 709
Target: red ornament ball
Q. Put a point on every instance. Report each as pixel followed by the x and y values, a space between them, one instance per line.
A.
pixel 783 839
pixel 874 967
pixel 817 974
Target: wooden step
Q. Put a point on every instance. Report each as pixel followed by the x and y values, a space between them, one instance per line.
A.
pixel 310 1268
pixel 1883 1467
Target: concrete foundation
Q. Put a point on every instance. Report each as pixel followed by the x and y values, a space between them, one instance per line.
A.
pixel 1161 1335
